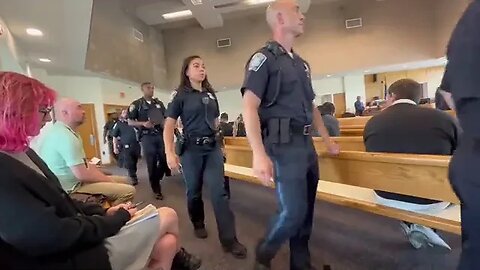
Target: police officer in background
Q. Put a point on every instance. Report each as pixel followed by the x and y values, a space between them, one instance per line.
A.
pixel 147 115
pixel 279 111
pixel 126 145
pixel 462 80
pixel 201 158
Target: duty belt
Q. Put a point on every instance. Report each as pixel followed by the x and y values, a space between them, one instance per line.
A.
pixel 301 130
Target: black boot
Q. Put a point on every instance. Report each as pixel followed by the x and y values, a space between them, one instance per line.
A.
pixel 260 266
pixel 238 250
pixel 200 231
pixel 159 196
pixel 185 261
pixel 262 261
pixel 134 181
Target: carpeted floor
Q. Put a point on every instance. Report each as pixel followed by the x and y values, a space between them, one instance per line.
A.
pixel 342 237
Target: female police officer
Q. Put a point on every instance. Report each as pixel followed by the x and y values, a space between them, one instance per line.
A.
pixel 197 106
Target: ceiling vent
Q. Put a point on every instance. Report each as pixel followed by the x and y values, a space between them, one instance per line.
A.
pixel 137 35
pixel 353 23
pixel 224 42
pixel 197 2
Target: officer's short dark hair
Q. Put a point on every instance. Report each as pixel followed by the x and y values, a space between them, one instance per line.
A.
pixel 224 116
pixel 185 81
pixel 327 108
pixel 406 89
pixel 144 84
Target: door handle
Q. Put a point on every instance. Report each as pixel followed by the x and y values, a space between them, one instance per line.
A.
pixel 92 140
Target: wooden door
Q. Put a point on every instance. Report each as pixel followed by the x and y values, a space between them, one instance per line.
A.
pixel 88 132
pixel 340 106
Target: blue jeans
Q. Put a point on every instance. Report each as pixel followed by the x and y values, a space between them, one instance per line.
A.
pixel 296 180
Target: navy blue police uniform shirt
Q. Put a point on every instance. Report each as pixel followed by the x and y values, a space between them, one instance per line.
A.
pixel 126 133
pixel 197 110
pixel 139 111
pixel 267 68
pixel 461 73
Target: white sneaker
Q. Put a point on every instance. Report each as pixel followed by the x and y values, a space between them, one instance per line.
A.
pixel 416 239
pixel 432 239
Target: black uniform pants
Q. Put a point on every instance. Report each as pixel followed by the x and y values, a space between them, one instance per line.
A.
pixel 154 152
pixel 465 180
pixel 205 163
pixel 296 180
pixel 130 154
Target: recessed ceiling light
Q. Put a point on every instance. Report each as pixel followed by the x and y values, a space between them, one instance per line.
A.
pixel 329 75
pixel 257 2
pixel 366 71
pixel 177 14
pixel 34 32
pixel 44 60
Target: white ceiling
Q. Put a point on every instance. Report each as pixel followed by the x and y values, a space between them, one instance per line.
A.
pixel 66 27
pixel 209 14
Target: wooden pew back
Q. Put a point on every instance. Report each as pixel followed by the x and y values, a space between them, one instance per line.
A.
pixel 239 151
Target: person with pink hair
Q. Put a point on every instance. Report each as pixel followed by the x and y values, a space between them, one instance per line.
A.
pixel 41 227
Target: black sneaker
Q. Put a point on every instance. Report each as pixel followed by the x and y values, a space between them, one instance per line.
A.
pixel 159 196
pixel 201 232
pixel 185 261
pixel 238 250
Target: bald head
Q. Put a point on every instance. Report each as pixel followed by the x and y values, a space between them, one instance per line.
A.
pixel 285 15
pixel 70 112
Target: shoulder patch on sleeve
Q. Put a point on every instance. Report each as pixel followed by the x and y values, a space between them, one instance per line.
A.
pixel 131 108
pixel 257 61
pixel 173 95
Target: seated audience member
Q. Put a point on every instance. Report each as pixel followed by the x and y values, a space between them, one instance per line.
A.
pixel 327 110
pixel 42 228
pixel 404 127
pixel 225 127
pixel 62 149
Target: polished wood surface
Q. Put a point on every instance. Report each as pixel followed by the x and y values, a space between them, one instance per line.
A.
pixel 239 151
pixel 363 199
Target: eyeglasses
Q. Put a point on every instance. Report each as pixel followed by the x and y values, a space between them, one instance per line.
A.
pixel 45 111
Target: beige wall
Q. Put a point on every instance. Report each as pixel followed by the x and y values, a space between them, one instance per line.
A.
pixel 432 76
pixel 394 32
pixel 112 48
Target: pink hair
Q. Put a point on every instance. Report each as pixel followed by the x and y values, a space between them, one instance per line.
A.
pixel 20 100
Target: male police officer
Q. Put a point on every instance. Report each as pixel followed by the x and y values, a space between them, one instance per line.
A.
pixel 279 110
pixel 125 144
pixel 462 80
pixel 148 114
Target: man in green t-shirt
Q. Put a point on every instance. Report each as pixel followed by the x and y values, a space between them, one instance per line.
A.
pixel 62 149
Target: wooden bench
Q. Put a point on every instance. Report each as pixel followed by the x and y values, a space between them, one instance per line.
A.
pixel 240 153
pixel 350 178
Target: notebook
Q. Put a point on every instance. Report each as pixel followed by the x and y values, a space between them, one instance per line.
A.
pixel 145 213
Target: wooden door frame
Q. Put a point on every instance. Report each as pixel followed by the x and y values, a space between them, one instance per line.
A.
pixel 95 127
pixel 106 107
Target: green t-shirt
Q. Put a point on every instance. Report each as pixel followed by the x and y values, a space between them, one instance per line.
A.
pixel 62 148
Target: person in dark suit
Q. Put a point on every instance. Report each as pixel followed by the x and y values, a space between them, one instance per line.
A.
pixel 404 127
pixel 462 81
pixel 225 127
pixel 41 227
pixel 359 106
